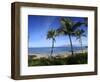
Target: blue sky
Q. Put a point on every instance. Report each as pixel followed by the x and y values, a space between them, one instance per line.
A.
pixel 38 27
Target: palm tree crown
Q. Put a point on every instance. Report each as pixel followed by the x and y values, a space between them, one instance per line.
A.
pixel 52 35
pixel 68 28
pixel 79 33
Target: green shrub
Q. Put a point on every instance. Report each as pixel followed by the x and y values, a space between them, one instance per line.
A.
pixel 70 60
pixel 77 59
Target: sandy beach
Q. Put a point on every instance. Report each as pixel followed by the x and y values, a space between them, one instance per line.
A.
pixel 64 54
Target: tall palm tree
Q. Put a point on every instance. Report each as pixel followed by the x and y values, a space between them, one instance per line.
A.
pixel 79 34
pixel 68 28
pixel 51 35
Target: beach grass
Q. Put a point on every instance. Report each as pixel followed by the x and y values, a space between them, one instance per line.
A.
pixel 78 58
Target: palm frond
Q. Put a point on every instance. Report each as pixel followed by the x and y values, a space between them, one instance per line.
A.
pixel 80 33
pixel 77 25
pixel 51 34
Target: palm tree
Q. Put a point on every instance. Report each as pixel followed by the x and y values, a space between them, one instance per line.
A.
pixel 51 35
pixel 68 28
pixel 79 34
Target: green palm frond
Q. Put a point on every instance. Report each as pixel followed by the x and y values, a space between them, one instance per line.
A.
pixel 69 26
pixel 66 26
pixel 51 34
pixel 77 25
pixel 79 33
pixel 67 23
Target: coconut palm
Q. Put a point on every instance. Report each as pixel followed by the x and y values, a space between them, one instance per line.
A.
pixel 68 28
pixel 51 35
pixel 79 34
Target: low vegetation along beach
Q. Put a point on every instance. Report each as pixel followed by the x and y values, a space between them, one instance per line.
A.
pixel 58 59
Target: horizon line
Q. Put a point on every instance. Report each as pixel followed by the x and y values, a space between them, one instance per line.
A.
pixel 58 46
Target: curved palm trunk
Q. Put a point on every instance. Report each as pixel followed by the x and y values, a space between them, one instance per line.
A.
pixel 71 44
pixel 52 48
pixel 81 44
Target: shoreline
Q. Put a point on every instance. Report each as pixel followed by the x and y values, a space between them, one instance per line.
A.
pixel 63 54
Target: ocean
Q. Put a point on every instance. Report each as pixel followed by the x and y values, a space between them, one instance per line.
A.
pixel 56 50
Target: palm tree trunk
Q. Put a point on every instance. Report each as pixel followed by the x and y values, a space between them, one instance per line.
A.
pixel 81 44
pixel 52 48
pixel 71 44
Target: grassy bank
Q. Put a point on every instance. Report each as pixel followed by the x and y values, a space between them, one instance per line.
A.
pixel 58 60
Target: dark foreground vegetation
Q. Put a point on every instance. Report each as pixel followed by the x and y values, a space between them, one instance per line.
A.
pixel 80 58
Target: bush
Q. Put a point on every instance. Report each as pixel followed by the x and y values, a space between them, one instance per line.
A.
pixel 77 59
pixel 70 60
